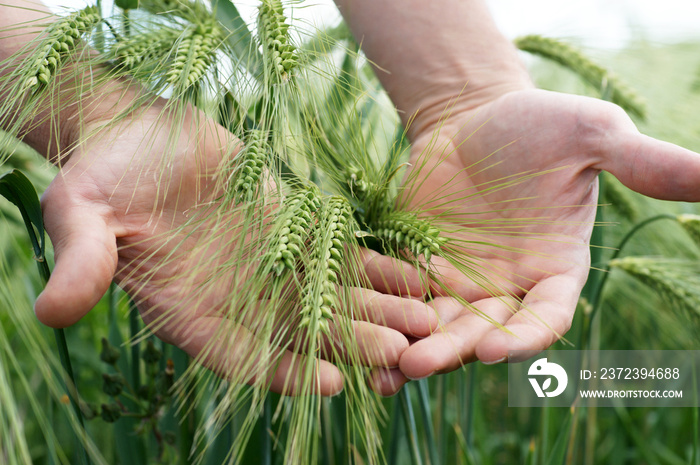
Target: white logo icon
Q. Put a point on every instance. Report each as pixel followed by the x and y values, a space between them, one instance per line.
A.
pixel 552 370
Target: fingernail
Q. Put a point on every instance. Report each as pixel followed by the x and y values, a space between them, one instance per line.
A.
pixel 493 362
pixel 420 377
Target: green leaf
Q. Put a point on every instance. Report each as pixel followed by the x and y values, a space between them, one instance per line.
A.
pixel 127 4
pixel 240 40
pixel 558 452
pixel 19 190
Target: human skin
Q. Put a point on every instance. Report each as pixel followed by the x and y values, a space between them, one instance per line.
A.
pixel 473 116
pixel 113 213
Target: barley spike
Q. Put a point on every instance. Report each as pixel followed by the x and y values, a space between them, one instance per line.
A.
pixel 281 56
pixel 249 165
pixel 404 230
pixel 572 58
pixel 671 279
pixel 194 55
pixel 691 224
pixel 61 37
pixel 192 11
pixel 291 233
pixel 141 48
pixel 319 293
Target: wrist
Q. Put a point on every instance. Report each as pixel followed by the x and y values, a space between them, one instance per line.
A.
pixel 68 116
pixel 463 92
pixel 435 58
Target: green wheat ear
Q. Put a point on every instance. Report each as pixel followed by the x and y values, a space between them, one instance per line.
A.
pixel 279 54
pixel 292 231
pixel 691 224
pixel 244 181
pixel 405 231
pixel 319 293
pixel 62 36
pixel 192 11
pixel 566 55
pixel 675 280
pixel 139 49
pixel 194 55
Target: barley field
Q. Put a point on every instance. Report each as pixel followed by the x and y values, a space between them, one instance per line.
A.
pixel 318 175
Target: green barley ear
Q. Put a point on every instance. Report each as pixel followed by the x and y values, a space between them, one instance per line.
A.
pixel 319 294
pixel 691 224
pixel 675 280
pixel 405 231
pixel 194 55
pixel 192 11
pixel 244 181
pixel 62 36
pixel 279 54
pixel 139 49
pixel 566 55
pixel 292 231
pixel 358 183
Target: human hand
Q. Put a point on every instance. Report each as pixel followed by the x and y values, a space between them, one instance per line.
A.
pixel 519 173
pixel 122 208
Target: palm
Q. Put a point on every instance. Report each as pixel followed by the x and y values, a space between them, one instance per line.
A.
pixel 535 271
pixel 123 208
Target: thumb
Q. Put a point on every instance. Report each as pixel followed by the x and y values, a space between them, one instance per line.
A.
pixel 652 167
pixel 86 258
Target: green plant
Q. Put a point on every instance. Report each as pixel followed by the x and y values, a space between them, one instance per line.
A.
pixel 310 131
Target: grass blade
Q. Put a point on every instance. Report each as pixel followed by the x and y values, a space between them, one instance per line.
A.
pixel 19 190
pixel 410 423
pixel 240 40
pixel 562 443
pixel 424 407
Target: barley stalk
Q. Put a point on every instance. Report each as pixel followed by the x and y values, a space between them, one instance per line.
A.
pixel 279 53
pixel 404 230
pixel 319 293
pixel 61 38
pixel 591 72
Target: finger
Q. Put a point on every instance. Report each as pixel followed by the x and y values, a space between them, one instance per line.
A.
pixel 546 316
pixel 455 344
pixel 408 316
pixel 85 253
pixel 386 381
pixel 368 345
pixel 476 278
pixel 236 354
pixel 392 276
pixel 349 341
pixel 652 167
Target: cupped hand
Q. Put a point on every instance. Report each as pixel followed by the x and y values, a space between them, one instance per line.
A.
pixel 125 206
pixel 516 181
